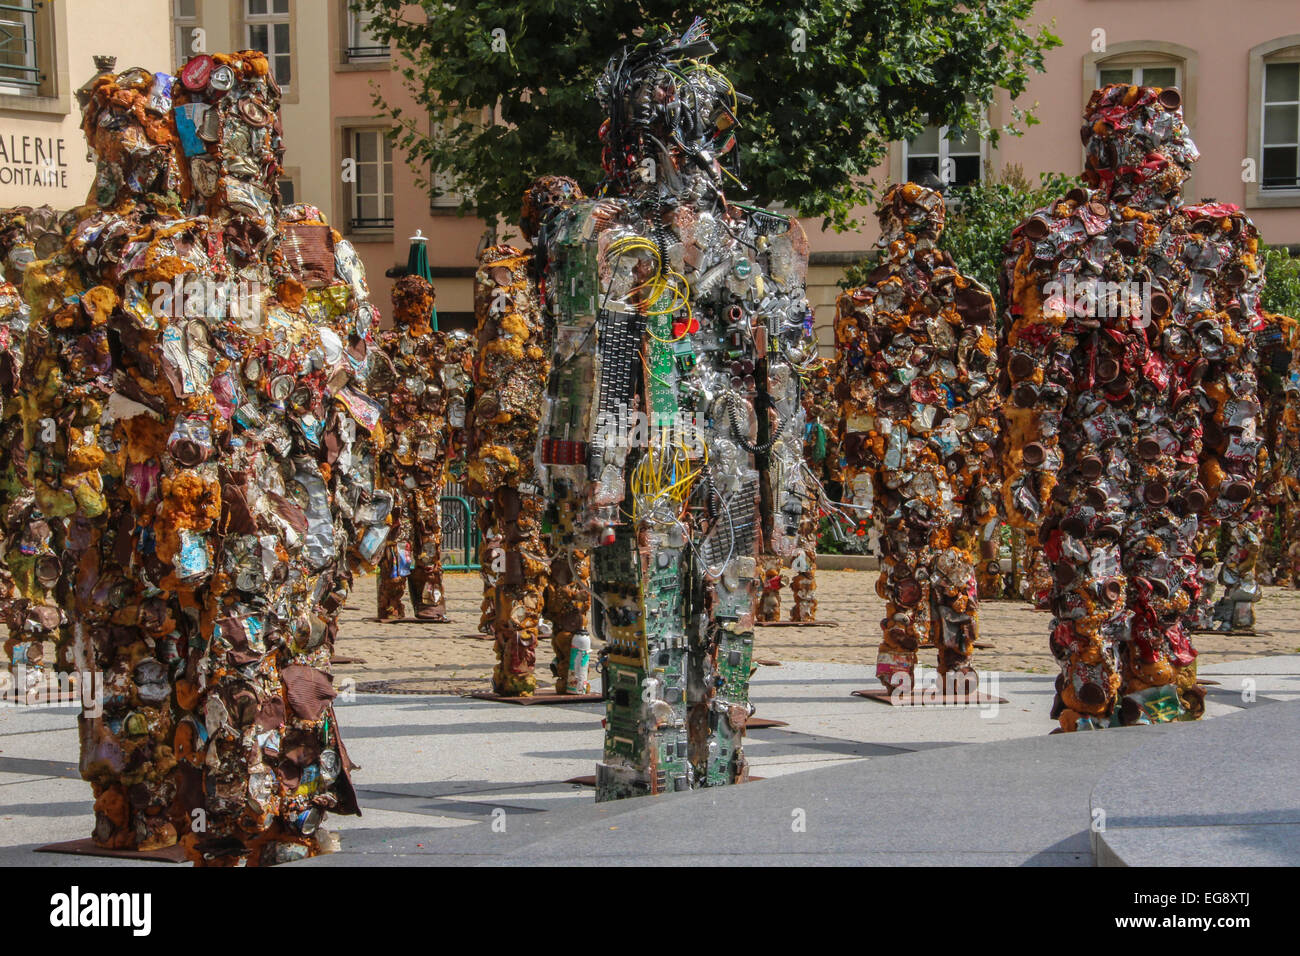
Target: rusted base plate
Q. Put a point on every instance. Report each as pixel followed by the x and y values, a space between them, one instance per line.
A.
pixel 767 662
pixel 796 623
pixel 920 699
pixel 348 660
pixel 1205 681
pixel 88 847
pixel 758 723
pixel 1234 632
pixel 545 695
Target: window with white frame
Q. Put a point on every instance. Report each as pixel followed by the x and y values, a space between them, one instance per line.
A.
pixel 362 44
pixel 1280 145
pixel 447 194
pixel 954 159
pixel 371 205
pixel 20 73
pixel 1149 74
pixel 268 28
pixel 185 20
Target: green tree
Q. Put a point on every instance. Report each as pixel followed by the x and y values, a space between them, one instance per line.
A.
pixel 833 84
pixel 1281 282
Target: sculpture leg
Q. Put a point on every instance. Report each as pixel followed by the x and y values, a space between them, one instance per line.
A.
pixel 567 604
pixel 518 593
pixel 954 618
pixel 905 605
pixel 426 576
pixel 395 564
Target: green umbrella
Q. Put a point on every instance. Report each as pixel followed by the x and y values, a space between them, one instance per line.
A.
pixel 417 264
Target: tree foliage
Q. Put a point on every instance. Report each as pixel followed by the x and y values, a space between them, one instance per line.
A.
pixel 833 84
pixel 1281 282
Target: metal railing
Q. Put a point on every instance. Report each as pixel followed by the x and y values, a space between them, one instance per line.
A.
pixel 367 52
pixel 460 538
pixel 18 63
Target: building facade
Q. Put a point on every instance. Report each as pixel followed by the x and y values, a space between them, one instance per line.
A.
pixel 1240 77
pixel 46 53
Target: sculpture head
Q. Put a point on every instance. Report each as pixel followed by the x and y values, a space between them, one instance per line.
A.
pixel 545 198
pixel 1139 150
pixel 413 299
pixel 907 208
pixel 664 105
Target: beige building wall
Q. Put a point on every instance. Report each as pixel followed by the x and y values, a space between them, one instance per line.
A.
pixel 35 127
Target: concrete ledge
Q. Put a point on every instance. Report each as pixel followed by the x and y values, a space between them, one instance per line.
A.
pixel 1216 793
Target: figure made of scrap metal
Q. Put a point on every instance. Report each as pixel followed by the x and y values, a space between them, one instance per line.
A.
pixel 197 439
pixel 1134 413
pixel 917 369
pixel 672 438
pixel 414 461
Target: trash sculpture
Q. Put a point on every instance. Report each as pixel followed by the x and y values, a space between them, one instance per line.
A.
pixel 29 568
pixel 1133 415
pixel 523 580
pixel 1279 389
pixel 917 366
pixel 413 464
pixel 201 445
pixel 672 431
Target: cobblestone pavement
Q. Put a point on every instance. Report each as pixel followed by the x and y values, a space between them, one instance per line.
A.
pixel 453 658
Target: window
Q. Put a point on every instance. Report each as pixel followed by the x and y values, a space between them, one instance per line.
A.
pixel 448 195
pixel 286 191
pixel 20 74
pixel 267 24
pixel 955 162
pixel 362 45
pixel 185 20
pixel 372 192
pixel 1161 76
pixel 1281 142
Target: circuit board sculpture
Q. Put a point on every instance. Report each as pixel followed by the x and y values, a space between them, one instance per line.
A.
pixel 1133 414
pixel 672 433
pixel 917 369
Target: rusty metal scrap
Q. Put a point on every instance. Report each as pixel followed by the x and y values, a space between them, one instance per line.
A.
pixel 1133 415
pixel 916 373
pixel 200 444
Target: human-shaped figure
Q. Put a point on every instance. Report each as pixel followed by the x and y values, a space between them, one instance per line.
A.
pixel 1279 489
pixel 916 376
pixel 673 429
pixel 1133 413
pixel 523 581
pixel 197 437
pixel 821 453
pixel 414 463
pixel 30 570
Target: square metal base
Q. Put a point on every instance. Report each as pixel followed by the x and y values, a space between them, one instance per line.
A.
pixel 88 847
pixel 543 695
pixel 922 699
